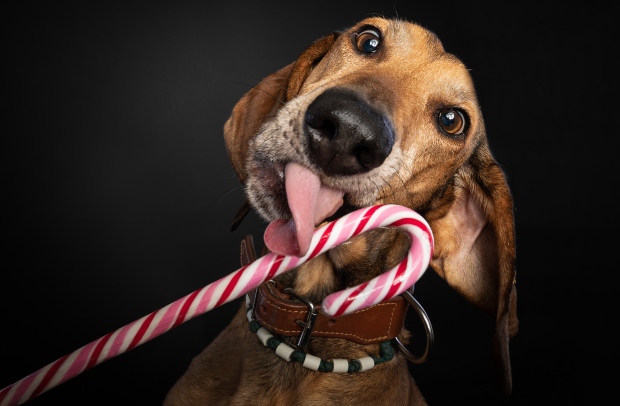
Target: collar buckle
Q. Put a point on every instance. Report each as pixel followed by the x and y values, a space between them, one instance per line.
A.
pixel 307 325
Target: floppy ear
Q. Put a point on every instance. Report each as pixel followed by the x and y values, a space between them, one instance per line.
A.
pixel 475 247
pixel 265 99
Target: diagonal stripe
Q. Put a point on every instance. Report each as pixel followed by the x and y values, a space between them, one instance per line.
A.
pixel 322 240
pixel 143 327
pixel 97 351
pixel 48 376
pixel 274 267
pixel 365 219
pixel 228 290
pixel 417 223
pixel 345 305
pixel 186 305
pixel 402 268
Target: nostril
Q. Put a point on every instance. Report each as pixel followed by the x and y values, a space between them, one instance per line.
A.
pixel 321 125
pixel 366 157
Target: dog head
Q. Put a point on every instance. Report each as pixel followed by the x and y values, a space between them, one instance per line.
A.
pixel 380 113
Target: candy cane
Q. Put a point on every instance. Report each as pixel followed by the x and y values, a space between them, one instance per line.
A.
pixel 238 283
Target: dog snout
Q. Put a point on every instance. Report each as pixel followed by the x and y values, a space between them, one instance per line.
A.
pixel 347 135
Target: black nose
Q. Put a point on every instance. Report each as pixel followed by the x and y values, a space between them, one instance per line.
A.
pixel 346 135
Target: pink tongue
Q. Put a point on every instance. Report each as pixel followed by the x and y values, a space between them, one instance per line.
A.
pixel 310 203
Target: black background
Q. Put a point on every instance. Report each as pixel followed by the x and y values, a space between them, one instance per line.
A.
pixel 119 194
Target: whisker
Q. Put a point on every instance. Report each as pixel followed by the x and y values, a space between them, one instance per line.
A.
pixel 229 192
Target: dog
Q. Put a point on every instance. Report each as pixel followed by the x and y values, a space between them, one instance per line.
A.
pixel 375 114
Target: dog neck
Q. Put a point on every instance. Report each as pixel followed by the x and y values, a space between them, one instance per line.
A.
pixel 287 322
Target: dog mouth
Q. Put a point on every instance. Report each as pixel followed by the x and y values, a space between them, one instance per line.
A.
pixel 314 161
pixel 310 203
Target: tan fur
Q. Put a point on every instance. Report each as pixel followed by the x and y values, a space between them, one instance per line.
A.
pixel 454 183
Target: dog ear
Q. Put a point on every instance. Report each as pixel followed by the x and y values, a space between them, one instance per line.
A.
pixel 475 247
pixel 265 99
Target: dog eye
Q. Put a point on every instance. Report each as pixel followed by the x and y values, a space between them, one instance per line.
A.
pixel 368 41
pixel 452 121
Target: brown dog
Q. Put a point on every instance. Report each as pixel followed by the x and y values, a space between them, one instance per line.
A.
pixel 376 114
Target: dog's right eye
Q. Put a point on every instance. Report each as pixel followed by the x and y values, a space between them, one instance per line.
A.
pixel 368 41
pixel 452 121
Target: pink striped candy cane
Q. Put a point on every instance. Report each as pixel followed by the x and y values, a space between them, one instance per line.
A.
pixel 238 283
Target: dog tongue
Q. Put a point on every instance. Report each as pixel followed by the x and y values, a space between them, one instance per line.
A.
pixel 310 203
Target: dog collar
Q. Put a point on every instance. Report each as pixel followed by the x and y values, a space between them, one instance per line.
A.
pixel 290 315
pixel 284 350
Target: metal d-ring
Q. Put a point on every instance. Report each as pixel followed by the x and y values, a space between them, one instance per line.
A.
pixel 430 336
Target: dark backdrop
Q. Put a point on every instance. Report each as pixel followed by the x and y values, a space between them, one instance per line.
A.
pixel 119 194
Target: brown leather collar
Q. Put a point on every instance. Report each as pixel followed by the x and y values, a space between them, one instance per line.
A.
pixel 283 314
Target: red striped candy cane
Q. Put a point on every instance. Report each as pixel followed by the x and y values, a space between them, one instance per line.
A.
pixel 238 283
